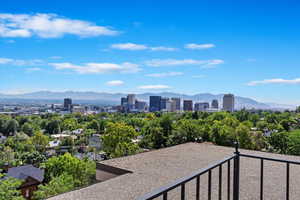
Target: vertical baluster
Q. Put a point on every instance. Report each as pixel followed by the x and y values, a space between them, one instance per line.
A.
pixel 198 188
pixel 165 196
pixel 209 185
pixel 236 174
pixel 183 191
pixel 220 182
pixel 228 180
pixel 287 181
pixel 261 179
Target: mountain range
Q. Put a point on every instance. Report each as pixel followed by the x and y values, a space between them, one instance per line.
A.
pixel 101 98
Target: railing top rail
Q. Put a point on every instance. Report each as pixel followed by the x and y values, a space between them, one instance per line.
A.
pixel 270 159
pixel 158 192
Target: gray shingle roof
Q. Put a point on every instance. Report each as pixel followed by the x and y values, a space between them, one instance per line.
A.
pixel 23 172
pixel 158 168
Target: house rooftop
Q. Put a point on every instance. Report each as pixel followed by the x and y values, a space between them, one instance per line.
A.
pixel 23 172
pixel 158 168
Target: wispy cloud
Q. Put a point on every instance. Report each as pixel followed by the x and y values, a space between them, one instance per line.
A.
pixel 138 47
pixel 18 62
pixel 154 87
pixel 115 83
pixel 275 81
pixel 129 46
pixel 176 62
pixel 199 46
pixel 98 68
pixel 166 74
pixel 162 48
pixel 48 26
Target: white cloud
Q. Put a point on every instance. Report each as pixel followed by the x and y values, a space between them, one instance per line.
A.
pixel 138 47
pixel 162 48
pixel 199 46
pixel 115 83
pixel 154 87
pixel 5 60
pixel 213 63
pixel 159 75
pixel 98 68
pixel 175 62
pixel 129 46
pixel 48 26
pixel 18 62
pixel 275 81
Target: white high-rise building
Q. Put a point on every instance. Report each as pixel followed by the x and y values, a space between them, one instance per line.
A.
pixel 228 102
pixel 131 101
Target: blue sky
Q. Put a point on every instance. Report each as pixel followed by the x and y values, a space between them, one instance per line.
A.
pixel 249 48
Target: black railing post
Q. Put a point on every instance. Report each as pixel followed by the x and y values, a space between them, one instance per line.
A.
pixel 236 173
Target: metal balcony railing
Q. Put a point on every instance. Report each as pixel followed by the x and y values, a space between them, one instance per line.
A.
pixel 231 193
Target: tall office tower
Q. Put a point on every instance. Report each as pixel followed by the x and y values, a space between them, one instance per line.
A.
pixel 215 104
pixel 177 103
pixel 228 102
pixel 124 104
pixel 188 105
pixel 201 106
pixel 163 103
pixel 68 104
pixel 155 103
pixel 131 101
pixel 123 101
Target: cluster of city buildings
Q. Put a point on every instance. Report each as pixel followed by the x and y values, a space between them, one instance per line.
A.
pixel 174 104
pixel 129 104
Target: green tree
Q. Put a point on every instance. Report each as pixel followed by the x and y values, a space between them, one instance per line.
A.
pixel 94 124
pixel 28 128
pixel 244 137
pixel 153 136
pixel 82 171
pixel 11 127
pixel 69 124
pixel 117 140
pixel 242 115
pixel 57 185
pixel 222 134
pixel 9 189
pixel 40 141
pixel 185 131
pixel 279 141
pixel 53 127
pixel 294 142
pixel 34 158
pixel 7 156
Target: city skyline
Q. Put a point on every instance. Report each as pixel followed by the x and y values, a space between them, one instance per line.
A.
pixel 61 48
